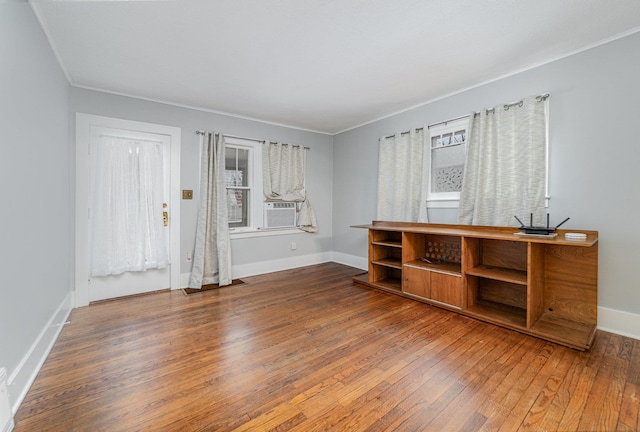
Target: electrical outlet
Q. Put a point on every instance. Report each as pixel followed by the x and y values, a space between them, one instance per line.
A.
pixel 187 194
pixel 294 246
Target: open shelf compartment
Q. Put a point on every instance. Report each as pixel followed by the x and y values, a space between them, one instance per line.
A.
pixel 387 238
pixel 496 259
pixel 443 248
pixel 497 300
pixel 499 313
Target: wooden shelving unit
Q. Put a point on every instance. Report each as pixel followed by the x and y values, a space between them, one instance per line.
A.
pixel 545 287
pixel 385 263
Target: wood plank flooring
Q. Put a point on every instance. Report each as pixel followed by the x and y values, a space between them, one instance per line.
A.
pixel 306 350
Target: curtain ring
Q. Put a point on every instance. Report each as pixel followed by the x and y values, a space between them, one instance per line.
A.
pixel 542 97
pixel 507 106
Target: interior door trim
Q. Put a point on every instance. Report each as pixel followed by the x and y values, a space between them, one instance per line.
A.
pixel 84 123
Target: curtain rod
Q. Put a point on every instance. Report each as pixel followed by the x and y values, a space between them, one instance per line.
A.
pixel 201 132
pixel 432 124
pixel 539 98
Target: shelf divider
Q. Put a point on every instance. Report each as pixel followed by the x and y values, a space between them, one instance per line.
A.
pixel 498 273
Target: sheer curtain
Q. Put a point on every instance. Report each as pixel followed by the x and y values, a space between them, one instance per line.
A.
pixel 400 177
pixel 127 229
pixel 505 172
pixel 283 168
pixel 212 255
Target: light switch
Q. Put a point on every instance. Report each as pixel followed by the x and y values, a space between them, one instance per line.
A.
pixel 187 194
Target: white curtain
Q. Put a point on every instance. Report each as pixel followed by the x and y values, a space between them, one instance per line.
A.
pixel 127 230
pixel 505 172
pixel 400 177
pixel 283 168
pixel 212 255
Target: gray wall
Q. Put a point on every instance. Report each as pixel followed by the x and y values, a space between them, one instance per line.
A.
pixel 244 251
pixel 595 97
pixel 34 167
pixel 595 152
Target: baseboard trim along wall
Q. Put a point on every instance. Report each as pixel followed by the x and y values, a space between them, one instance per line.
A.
pixel 619 322
pixel 6 414
pixel 263 267
pixel 350 260
pixel 25 374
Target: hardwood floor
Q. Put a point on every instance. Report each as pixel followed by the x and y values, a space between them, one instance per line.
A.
pixel 305 350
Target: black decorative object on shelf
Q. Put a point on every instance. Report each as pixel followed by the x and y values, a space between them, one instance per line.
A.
pixel 539 230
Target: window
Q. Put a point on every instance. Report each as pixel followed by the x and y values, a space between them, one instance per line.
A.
pixel 245 196
pixel 243 177
pixel 445 159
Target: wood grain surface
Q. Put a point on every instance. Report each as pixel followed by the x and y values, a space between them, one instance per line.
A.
pixel 306 350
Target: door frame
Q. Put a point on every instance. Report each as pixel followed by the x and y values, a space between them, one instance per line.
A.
pixel 84 123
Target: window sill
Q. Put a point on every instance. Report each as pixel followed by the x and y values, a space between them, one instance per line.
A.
pixel 445 203
pixel 264 233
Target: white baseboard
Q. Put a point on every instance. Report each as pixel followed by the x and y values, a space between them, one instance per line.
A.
pixel 6 414
pixel 350 260
pixel 25 373
pixel 184 280
pixel 262 267
pixel 619 322
pixel 245 270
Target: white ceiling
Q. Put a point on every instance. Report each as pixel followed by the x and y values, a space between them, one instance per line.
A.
pixel 321 65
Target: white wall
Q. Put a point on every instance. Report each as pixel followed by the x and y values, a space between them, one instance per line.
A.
pixel 34 188
pixel 595 152
pixel 247 254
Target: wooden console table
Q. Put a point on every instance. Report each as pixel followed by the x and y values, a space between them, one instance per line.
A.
pixel 541 286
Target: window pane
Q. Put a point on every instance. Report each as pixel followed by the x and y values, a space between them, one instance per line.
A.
pixel 446 139
pixel 459 137
pixel 243 167
pixel 436 141
pixel 233 178
pixel 237 206
pixel 236 166
pixel 230 158
pixel 447 168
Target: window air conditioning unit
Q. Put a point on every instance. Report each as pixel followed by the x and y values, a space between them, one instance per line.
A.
pixel 280 214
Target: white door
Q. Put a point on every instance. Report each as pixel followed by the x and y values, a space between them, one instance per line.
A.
pixel 130 282
pixel 89 131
